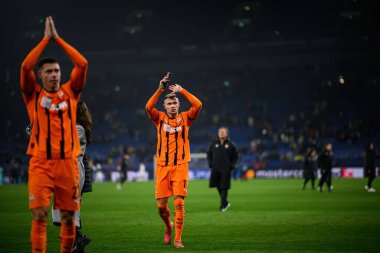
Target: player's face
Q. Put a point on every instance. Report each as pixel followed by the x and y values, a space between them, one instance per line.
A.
pixel 171 105
pixel 328 147
pixel 50 74
pixel 222 133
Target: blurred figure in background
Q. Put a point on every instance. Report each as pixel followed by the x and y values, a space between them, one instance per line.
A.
pixel 310 167
pixel 123 170
pixel 325 162
pixel 369 166
pixel 222 157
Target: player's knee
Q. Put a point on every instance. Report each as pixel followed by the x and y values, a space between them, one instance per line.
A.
pixel 67 217
pixel 40 214
pixel 179 203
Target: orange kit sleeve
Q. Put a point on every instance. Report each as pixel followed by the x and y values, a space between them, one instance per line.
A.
pixel 28 79
pixel 79 73
pixel 196 104
pixel 150 109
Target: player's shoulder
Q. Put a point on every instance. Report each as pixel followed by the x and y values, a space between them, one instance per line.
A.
pixel 67 89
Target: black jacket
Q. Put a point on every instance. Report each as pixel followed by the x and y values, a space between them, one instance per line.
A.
pixel 221 158
pixel 370 163
pixel 325 161
pixel 87 186
pixel 310 167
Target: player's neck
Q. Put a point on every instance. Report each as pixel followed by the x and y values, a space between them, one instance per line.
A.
pixel 222 140
pixel 172 115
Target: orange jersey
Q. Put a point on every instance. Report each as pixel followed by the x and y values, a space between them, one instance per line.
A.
pixel 173 147
pixel 53 114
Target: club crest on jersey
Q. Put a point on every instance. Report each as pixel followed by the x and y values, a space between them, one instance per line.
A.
pixel 170 129
pixel 226 146
pixel 217 145
pixel 60 94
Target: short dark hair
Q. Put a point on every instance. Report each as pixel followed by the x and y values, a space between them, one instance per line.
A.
pixel 47 60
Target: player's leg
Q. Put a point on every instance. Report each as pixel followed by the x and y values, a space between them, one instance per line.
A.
pixel 67 200
pixel 163 191
pixel 164 212
pixel 38 231
pixel 179 220
pixel 40 189
pixel 180 179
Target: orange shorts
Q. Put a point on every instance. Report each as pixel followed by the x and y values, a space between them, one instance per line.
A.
pixel 58 176
pixel 171 180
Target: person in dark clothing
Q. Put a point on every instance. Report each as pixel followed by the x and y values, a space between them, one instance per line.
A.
pixel 124 167
pixel 310 167
pixel 222 157
pixel 325 163
pixel 370 167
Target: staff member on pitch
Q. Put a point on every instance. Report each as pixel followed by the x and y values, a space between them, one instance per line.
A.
pixel 222 157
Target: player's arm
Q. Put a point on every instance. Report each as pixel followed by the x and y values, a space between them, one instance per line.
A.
pixel 28 79
pixel 234 156
pixel 196 104
pixel 150 106
pixel 79 73
pixel 209 155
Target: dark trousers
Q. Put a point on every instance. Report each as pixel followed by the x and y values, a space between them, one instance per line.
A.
pixel 371 177
pixel 326 177
pixel 312 183
pixel 123 177
pixel 223 197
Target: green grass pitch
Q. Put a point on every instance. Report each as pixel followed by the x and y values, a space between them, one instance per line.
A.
pixel 267 215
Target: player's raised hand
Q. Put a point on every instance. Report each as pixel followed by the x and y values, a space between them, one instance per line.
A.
pixel 175 88
pixel 165 81
pixel 48 28
pixel 54 33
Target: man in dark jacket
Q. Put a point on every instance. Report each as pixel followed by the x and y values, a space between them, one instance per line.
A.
pixel 325 162
pixel 370 167
pixel 222 157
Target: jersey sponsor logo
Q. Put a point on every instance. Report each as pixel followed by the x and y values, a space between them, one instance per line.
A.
pixel 170 129
pixel 46 102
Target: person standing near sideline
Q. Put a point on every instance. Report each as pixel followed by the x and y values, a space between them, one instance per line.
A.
pixel 222 157
pixel 173 154
pixel 84 128
pixel 310 167
pixel 370 166
pixel 54 144
pixel 325 162
pixel 124 167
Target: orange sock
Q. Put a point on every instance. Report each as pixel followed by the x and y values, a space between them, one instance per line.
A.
pixel 38 236
pixel 164 212
pixel 67 237
pixel 179 217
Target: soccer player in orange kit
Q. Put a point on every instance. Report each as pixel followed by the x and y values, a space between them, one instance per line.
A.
pixel 173 154
pixel 54 143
